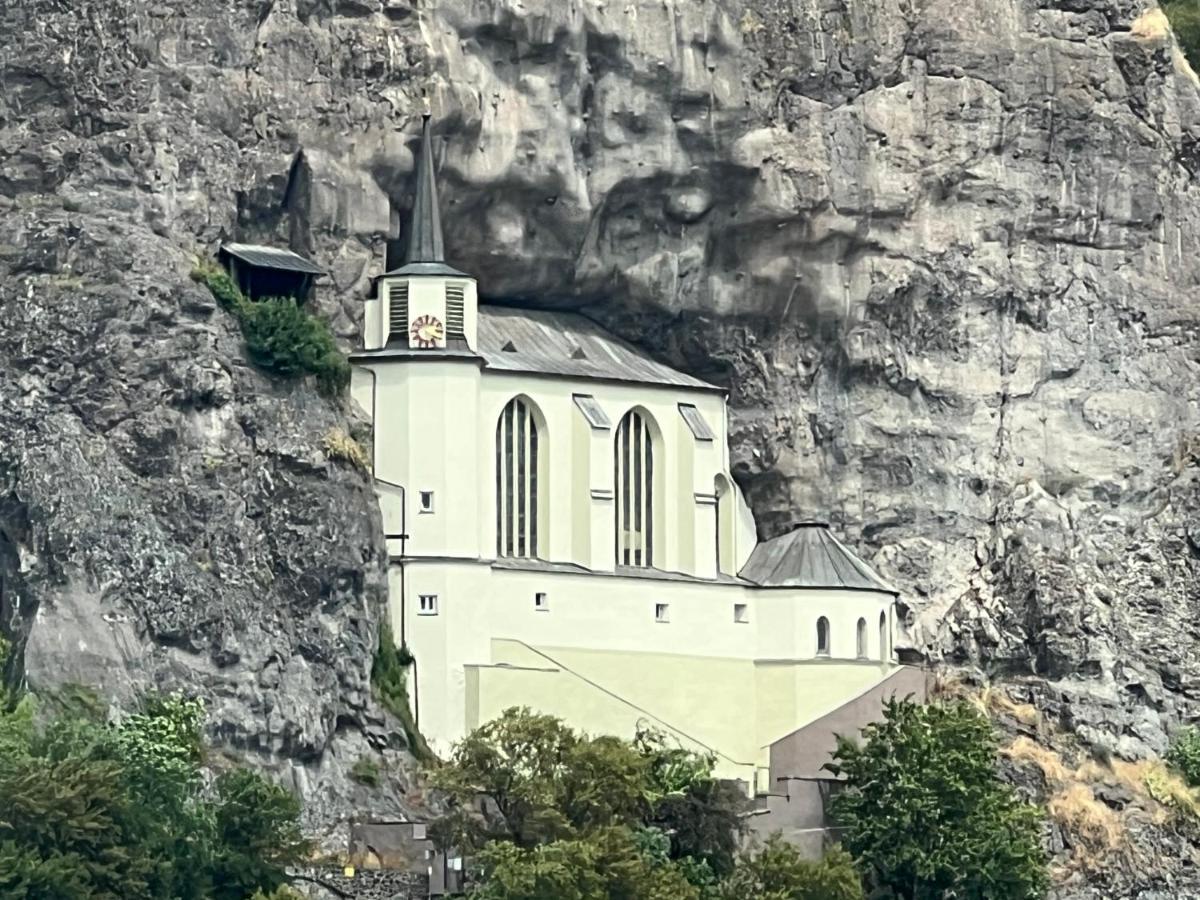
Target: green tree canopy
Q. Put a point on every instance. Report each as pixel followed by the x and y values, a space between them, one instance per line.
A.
pixel 925 815
pixel 120 811
pixel 778 872
pixel 572 817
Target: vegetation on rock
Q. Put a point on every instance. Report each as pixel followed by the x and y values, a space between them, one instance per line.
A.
pixel 572 817
pixel 1184 16
pixel 341 447
pixel 1184 755
pixel 120 811
pixel 390 685
pixel 925 814
pixel 280 336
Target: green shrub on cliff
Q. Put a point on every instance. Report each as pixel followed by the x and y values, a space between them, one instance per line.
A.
pixel 280 336
pixel 1184 755
pixel 1184 16
pixel 120 811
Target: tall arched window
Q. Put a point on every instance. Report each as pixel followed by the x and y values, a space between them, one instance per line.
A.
pixel 862 639
pixel 884 651
pixel 822 636
pixel 633 477
pixel 517 481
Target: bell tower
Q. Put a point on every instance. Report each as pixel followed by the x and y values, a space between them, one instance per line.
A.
pixel 425 304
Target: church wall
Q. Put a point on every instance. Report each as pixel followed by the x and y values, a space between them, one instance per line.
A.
pixel 684 467
pixel 615 617
pixel 426 440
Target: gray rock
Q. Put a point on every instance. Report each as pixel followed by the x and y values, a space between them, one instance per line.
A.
pixel 939 254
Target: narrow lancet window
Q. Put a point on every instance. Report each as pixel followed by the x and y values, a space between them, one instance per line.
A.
pixel 822 636
pixel 862 639
pixel 517 481
pixel 884 651
pixel 633 478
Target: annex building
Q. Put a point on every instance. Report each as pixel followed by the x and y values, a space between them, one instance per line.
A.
pixel 565 534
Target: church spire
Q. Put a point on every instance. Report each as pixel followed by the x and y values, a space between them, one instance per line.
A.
pixel 425 244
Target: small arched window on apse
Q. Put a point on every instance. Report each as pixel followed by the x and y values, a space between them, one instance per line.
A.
pixel 884 650
pixel 633 477
pixel 862 639
pixel 822 636
pixel 520 467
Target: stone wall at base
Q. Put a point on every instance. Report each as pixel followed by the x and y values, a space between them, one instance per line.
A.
pixel 332 883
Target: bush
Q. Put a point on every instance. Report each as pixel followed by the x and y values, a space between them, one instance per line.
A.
pixel 280 336
pixel 924 812
pixel 1184 755
pixel 779 873
pixel 365 771
pixel 391 690
pixel 1184 16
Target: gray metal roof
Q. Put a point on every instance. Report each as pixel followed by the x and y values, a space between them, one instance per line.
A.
pixel 564 343
pixel 810 556
pixel 425 244
pixel 272 258
pixel 651 574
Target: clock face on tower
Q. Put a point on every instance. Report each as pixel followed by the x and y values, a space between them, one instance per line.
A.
pixel 426 331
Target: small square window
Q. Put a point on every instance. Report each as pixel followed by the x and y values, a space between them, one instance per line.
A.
pixel 427 605
pixel 426 501
pixel 662 612
pixel 740 613
pixel 541 602
pixel 418 831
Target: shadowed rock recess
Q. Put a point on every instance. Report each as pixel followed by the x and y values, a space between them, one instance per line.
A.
pixel 940 252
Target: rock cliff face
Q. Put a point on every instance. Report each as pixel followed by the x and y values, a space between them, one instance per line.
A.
pixel 938 250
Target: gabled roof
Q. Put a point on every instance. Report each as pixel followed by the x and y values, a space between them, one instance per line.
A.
pixel 564 343
pixel 272 258
pixel 810 556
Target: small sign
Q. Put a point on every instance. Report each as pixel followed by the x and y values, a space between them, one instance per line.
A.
pixel 348 871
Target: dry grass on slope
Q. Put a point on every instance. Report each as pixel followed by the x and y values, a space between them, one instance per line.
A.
pixel 1095 803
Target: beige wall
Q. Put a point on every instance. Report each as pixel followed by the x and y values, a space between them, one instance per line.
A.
pixel 735 686
pixel 436 431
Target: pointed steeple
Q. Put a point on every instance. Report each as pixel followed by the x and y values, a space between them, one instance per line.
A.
pixel 425 244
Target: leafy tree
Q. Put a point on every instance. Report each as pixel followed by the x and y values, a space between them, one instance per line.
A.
pixel 1184 755
pixel 108 811
pixel 542 781
pixel 925 814
pixel 778 872
pixel 257 834
pixel 592 818
pixel 605 864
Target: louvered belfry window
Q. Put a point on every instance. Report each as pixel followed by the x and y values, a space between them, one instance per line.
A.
pixel 517 481
pixel 455 303
pixel 398 309
pixel 633 477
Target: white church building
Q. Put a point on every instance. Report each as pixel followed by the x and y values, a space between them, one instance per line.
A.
pixel 565 535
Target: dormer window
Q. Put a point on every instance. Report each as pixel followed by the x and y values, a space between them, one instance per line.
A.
pixel 695 422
